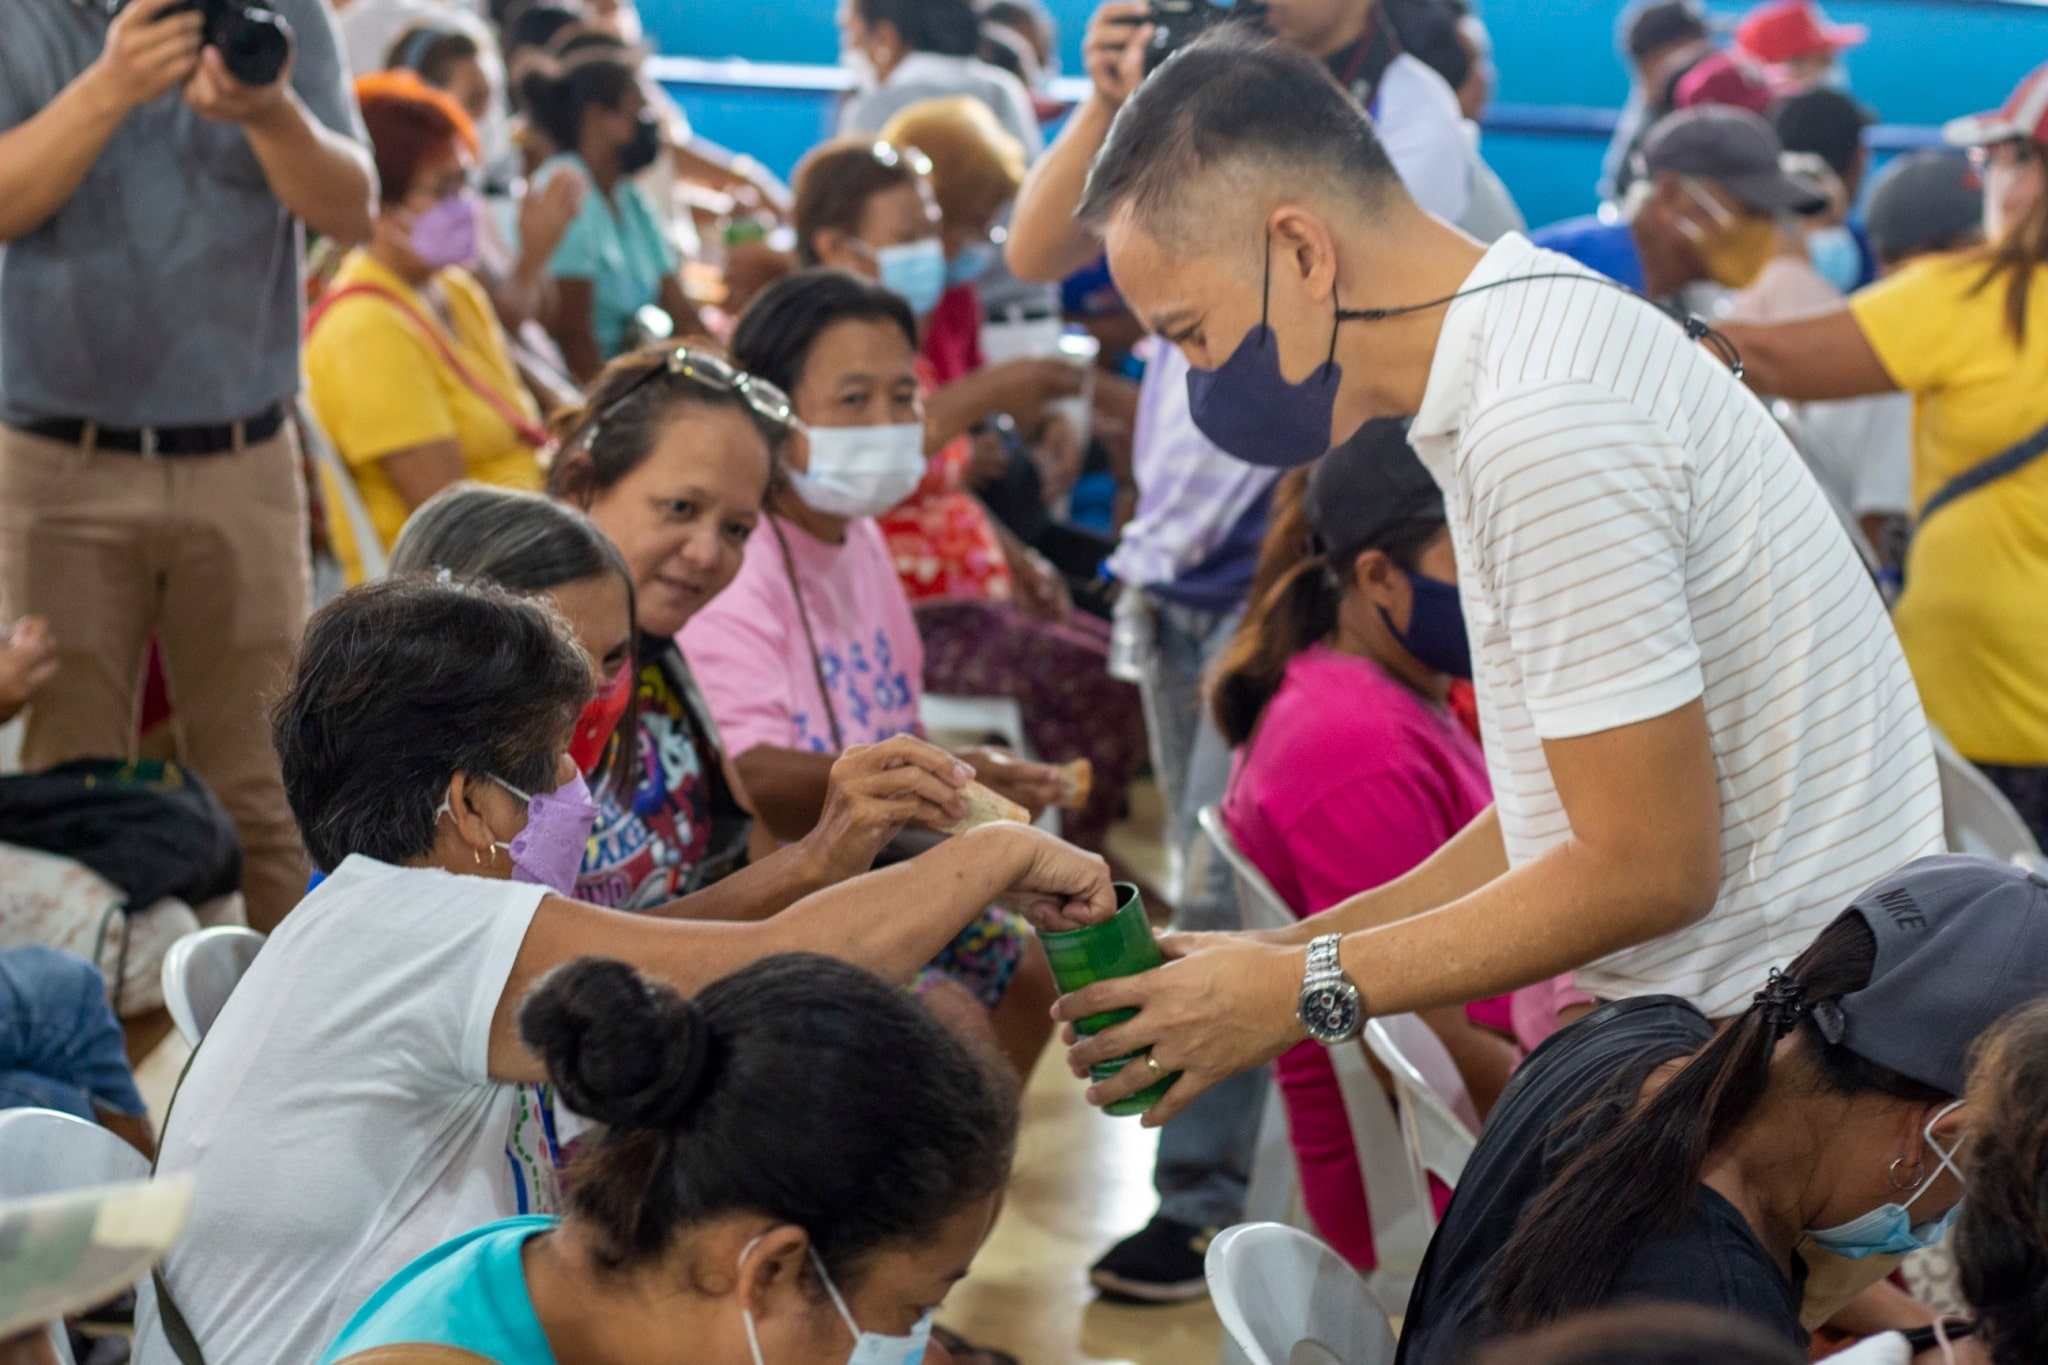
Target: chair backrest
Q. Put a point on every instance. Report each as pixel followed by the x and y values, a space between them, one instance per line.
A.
pixel 1260 903
pixel 1287 1299
pixel 1396 1192
pixel 45 1152
pixel 340 488
pixel 1975 814
pixel 1438 1121
pixel 201 970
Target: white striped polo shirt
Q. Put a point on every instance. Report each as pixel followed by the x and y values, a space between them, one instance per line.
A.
pixel 1634 531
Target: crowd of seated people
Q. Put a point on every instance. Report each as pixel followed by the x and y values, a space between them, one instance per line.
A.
pixel 658 980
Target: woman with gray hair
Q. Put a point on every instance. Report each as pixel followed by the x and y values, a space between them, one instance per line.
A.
pixel 538 548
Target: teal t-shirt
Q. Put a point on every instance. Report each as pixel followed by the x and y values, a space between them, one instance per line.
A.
pixel 470 1292
pixel 618 245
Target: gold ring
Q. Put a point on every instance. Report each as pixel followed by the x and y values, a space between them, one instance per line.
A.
pixel 1153 1062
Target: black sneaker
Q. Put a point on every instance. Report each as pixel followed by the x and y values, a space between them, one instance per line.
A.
pixel 1162 1263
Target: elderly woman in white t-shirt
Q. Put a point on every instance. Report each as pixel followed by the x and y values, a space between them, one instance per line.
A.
pixel 359 1099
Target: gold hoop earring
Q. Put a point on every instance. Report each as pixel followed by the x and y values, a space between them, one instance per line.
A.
pixel 476 854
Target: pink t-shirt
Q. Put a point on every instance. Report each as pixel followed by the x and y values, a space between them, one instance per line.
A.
pixel 1350 781
pixel 748 652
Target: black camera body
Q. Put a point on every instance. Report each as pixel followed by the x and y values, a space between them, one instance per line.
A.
pixel 1176 23
pixel 254 43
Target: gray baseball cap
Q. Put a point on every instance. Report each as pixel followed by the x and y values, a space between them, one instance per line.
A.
pixel 1737 150
pixel 1925 201
pixel 1367 487
pixel 1961 941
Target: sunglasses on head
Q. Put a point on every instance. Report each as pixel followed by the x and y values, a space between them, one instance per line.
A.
pixel 709 372
pixel 890 155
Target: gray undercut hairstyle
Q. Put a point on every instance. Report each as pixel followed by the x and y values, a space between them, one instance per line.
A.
pixel 1250 117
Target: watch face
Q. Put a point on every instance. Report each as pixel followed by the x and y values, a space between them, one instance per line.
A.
pixel 1330 1013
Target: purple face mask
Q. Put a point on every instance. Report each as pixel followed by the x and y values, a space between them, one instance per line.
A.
pixel 1249 409
pixel 446 233
pixel 549 851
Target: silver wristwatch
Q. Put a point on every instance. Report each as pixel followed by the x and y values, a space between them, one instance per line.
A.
pixel 1332 1010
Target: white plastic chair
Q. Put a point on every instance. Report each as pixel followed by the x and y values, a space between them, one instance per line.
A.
pixel 1274 1192
pixel 45 1152
pixel 341 490
pixel 1286 1299
pixel 1438 1118
pixel 1975 814
pixel 1396 1190
pixel 200 972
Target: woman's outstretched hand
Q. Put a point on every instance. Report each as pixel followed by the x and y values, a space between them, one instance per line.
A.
pixel 875 792
pixel 1056 886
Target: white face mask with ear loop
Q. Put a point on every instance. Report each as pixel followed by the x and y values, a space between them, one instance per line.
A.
pixel 869 1348
pixel 859 471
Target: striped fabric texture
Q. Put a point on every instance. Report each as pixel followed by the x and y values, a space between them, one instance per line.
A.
pixel 1635 532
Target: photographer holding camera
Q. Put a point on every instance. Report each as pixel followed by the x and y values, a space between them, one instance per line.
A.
pixel 156 161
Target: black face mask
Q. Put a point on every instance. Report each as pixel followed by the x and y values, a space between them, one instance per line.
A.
pixel 638 154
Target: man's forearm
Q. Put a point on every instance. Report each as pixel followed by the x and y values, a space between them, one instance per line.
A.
pixel 1045 242
pixel 1470 859
pixel 322 177
pixel 1557 912
pixel 43 160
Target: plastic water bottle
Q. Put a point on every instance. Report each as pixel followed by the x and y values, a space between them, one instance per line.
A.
pixel 1130 634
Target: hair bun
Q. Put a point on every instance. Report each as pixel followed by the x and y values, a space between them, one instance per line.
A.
pixel 626 1051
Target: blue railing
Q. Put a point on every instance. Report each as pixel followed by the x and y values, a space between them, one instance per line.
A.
pixel 1561 84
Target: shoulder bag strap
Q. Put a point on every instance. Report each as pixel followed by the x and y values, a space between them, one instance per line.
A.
pixel 2008 461
pixel 177 1331
pixel 529 431
pixel 804 618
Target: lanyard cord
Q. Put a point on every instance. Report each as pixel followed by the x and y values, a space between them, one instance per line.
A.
pixel 803 617
pixel 1696 327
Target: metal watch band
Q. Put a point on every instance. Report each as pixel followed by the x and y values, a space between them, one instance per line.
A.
pixel 1323 960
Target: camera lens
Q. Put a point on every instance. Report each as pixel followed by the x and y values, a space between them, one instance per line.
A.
pixel 255 45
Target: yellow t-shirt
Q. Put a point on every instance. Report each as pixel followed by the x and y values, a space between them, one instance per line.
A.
pixel 1974 616
pixel 378 387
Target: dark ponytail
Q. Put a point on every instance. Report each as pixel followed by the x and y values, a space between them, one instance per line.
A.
pixel 556 92
pixel 1297 590
pixel 1294 604
pixel 2001 1239
pixel 1640 1176
pixel 799 1088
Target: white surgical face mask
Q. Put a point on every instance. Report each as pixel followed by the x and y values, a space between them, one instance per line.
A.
pixel 869 1348
pixel 1835 256
pixel 860 471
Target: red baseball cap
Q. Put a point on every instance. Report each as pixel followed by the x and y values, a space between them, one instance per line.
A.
pixel 2024 114
pixel 1786 30
pixel 1721 78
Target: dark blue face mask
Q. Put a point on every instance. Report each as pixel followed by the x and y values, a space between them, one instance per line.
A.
pixel 1250 410
pixel 1436 627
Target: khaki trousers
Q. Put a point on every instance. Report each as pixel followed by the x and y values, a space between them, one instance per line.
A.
pixel 210 552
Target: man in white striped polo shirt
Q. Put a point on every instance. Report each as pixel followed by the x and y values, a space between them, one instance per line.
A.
pixel 1702 736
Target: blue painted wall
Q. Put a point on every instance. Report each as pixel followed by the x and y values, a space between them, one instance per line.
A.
pixel 1926 61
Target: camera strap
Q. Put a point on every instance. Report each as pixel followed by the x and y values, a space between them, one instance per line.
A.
pixel 1370 59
